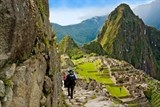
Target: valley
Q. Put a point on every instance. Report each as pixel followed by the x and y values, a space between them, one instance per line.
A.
pixel 114 80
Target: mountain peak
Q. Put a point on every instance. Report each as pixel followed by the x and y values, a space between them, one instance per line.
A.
pixel 69 47
pixel 68 41
pixel 119 19
pixel 66 44
pixel 122 10
pixel 68 38
pixel 124 6
pixel 125 36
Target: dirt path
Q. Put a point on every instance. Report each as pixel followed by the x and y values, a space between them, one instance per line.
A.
pixel 86 98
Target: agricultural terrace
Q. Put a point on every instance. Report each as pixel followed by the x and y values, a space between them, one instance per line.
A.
pixel 92 69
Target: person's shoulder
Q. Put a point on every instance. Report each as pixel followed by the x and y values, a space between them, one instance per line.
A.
pixel 68 75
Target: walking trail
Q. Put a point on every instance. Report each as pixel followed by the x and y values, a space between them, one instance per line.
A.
pixel 86 98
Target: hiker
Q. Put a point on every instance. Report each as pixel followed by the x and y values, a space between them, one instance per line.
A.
pixel 70 83
pixel 120 89
pixel 64 79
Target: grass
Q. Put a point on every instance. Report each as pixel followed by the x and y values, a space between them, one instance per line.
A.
pixel 87 70
pixel 155 99
pixel 76 62
pixel 116 92
pixel 132 105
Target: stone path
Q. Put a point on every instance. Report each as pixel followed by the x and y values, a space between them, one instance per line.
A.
pixel 86 98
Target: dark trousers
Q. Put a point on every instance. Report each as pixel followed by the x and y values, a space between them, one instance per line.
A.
pixel 70 91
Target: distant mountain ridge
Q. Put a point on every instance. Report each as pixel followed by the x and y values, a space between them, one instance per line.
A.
pixel 83 32
pixel 87 30
pixel 124 36
pixel 150 13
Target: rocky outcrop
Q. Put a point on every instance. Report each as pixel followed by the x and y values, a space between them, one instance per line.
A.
pixel 125 36
pixel 29 61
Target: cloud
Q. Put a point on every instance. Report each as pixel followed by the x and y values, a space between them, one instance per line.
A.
pixel 67 16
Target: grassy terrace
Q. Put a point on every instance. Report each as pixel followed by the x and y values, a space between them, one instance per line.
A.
pixel 88 70
pixel 117 91
pixel 155 102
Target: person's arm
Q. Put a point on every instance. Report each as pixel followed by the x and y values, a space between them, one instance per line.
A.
pixel 66 77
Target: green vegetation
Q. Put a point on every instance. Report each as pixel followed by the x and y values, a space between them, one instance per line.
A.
pixel 154 39
pixel 42 8
pixel 69 47
pixel 117 91
pixel 94 47
pixel 46 41
pixel 75 53
pixel 153 93
pixel 153 96
pixel 8 82
pixel 155 102
pixel 89 70
pixel 92 70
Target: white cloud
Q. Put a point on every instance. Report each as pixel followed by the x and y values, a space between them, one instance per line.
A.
pixel 67 16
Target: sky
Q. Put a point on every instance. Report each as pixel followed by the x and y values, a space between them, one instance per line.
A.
pixel 67 12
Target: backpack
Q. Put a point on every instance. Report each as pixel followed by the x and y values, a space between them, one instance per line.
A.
pixel 70 81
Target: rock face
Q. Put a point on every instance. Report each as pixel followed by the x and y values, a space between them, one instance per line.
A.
pixel 125 36
pixel 29 76
pixel 29 61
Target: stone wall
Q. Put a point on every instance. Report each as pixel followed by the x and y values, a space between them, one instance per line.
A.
pixel 29 61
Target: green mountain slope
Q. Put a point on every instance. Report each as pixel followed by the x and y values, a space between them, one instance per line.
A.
pixel 125 36
pixel 93 47
pixel 83 32
pixel 69 47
